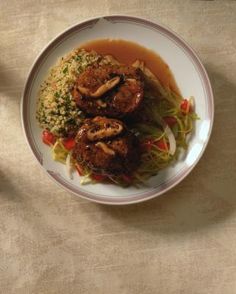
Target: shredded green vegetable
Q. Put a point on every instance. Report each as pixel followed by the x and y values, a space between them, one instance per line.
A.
pixel 154 159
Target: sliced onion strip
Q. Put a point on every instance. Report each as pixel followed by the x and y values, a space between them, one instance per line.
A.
pixel 69 168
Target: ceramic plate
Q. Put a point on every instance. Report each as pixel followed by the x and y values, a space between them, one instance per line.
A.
pixel 189 74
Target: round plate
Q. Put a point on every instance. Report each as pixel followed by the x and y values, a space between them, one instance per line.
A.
pixel 190 76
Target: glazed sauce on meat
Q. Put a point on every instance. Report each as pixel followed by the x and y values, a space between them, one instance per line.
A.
pixel 127 52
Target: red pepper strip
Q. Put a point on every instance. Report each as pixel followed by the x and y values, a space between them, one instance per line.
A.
pixel 69 143
pixel 170 120
pixel 79 169
pixel 161 144
pixel 185 106
pixel 48 138
pixel 128 179
pixel 98 178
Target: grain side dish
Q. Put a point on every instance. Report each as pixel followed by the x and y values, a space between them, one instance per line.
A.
pixel 112 121
pixel 57 110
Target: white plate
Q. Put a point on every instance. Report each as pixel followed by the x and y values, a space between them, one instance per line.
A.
pixel 190 76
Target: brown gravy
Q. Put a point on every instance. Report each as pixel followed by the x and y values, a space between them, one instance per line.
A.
pixel 127 52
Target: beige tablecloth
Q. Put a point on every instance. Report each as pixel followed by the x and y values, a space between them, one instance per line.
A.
pixel 53 242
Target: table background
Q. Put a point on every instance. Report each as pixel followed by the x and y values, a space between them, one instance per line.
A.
pixel 54 242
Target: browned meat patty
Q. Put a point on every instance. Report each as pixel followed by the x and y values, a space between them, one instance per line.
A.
pixel 114 91
pixel 106 146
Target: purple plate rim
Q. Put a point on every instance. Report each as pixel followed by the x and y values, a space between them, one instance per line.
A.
pixel 90 23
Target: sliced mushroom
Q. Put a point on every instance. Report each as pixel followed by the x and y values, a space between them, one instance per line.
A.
pixel 101 104
pixel 111 59
pixel 145 70
pixel 105 148
pixel 84 91
pixel 104 131
pixel 106 87
pixel 131 80
pixel 138 64
pixel 154 85
pixel 102 89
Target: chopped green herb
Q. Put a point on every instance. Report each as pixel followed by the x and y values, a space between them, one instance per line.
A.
pixel 78 58
pixel 65 70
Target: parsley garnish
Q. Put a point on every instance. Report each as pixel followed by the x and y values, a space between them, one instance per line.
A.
pixel 65 70
pixel 78 58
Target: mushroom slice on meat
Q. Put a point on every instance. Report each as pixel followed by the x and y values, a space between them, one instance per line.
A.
pixel 106 146
pixel 104 128
pixel 114 91
pixel 102 89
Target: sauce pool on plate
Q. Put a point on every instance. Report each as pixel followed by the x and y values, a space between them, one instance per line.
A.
pixel 127 52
